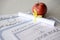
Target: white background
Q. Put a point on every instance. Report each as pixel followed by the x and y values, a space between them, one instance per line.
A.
pixel 14 6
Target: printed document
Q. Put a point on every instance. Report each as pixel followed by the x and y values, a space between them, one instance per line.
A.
pixel 14 27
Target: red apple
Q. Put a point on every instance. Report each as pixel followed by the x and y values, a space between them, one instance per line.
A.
pixel 41 8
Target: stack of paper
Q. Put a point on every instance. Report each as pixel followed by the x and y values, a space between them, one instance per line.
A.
pixel 14 27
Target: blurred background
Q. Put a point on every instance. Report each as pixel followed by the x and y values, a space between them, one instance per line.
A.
pixel 15 6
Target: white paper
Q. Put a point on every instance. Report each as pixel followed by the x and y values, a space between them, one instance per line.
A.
pixel 22 28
